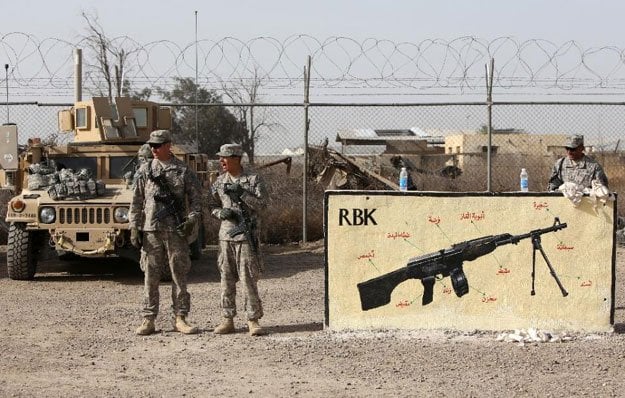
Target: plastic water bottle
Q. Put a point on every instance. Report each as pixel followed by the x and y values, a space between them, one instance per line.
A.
pixel 403 179
pixel 524 181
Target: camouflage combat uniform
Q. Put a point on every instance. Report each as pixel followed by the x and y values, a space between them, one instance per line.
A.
pixel 581 172
pixel 236 259
pixel 161 242
pixel 144 155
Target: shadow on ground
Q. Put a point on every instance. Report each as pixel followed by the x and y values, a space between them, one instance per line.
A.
pixel 295 328
pixel 278 264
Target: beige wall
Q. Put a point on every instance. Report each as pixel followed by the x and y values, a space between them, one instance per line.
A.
pixel 410 225
pixel 544 144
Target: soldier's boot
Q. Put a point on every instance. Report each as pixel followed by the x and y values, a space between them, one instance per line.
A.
pixel 182 326
pixel 254 328
pixel 226 326
pixel 147 327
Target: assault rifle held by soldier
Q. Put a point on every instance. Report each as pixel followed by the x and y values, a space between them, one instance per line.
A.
pixel 171 204
pixel 245 225
pixel 376 292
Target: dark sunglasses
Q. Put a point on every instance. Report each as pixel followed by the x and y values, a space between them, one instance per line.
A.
pixel 155 146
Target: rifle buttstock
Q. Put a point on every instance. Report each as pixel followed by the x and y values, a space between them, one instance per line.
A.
pixel 376 292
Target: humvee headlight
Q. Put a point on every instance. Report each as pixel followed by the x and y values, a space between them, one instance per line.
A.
pixel 47 215
pixel 121 214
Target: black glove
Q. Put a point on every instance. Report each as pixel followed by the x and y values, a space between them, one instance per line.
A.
pixel 235 190
pixel 227 214
pixel 186 228
pixel 135 237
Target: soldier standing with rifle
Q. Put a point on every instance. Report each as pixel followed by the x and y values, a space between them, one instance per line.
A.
pixel 158 210
pixel 237 196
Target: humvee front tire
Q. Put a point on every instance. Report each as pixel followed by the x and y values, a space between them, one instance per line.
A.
pixel 22 252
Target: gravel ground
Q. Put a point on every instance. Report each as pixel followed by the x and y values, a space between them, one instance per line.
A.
pixel 70 333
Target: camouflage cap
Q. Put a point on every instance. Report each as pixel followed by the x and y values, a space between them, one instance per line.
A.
pixel 228 150
pixel 159 137
pixel 574 141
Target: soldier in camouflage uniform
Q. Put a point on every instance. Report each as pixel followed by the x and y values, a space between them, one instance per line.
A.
pixel 165 232
pixel 576 167
pixel 144 155
pixel 236 194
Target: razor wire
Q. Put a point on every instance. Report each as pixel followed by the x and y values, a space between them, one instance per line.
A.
pixel 341 66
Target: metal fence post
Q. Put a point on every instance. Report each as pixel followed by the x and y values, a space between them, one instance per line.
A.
pixel 305 172
pixel 489 127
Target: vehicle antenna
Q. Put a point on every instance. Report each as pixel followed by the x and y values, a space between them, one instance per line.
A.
pixel 6 74
pixel 197 135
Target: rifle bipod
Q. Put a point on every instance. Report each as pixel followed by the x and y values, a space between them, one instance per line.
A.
pixel 537 245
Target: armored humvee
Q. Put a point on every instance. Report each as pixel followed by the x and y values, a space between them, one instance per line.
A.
pixel 76 197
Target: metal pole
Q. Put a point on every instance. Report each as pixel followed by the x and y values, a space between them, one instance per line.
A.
pixel 305 172
pixel 197 133
pixel 77 74
pixel 6 80
pixel 489 104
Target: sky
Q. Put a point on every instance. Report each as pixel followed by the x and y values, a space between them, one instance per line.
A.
pixel 590 22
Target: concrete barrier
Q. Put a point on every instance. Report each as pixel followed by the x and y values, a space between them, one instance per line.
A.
pixel 371 233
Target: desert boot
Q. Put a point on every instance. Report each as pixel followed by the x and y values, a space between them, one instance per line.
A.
pixel 182 326
pixel 226 326
pixel 254 328
pixel 146 328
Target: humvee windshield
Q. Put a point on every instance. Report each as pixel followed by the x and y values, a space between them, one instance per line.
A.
pixel 120 165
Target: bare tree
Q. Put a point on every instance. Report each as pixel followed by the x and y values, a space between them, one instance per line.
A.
pixel 246 91
pixel 110 60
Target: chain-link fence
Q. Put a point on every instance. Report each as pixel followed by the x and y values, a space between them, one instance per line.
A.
pixel 525 135
pixel 35 120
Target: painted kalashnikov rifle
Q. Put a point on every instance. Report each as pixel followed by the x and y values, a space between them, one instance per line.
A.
pixel 376 292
